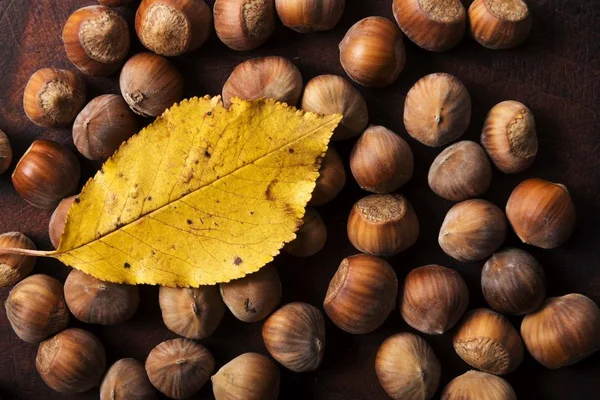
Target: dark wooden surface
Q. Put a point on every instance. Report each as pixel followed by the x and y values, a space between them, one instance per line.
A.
pixel 556 73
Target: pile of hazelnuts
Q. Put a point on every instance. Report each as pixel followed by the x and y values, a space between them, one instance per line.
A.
pixel 363 292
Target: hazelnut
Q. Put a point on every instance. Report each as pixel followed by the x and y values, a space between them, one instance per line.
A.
pixel 15 267
pixel 250 376
pixel 173 27
pixel 114 3
pixel 381 161
pixel 295 336
pixel 127 379
pixel 96 40
pixel 433 299
pixel 36 308
pixel 244 24
pixel 509 136
pixel 93 301
pixel 372 52
pixel 437 110
pixel 179 368
pixel 332 94
pixel 564 331
pixel 271 77
pixel 499 24
pixel 361 294
pixel 73 361
pixel 383 225
pixel 311 236
pixel 150 84
pixel 53 97
pixel 541 213
pixel 513 282
pixel 6 153
pixel 254 296
pixel 487 341
pixel 478 385
pixel 306 16
pixel 102 126
pixel 56 226
pixel 460 172
pixel 431 24
pixel 407 368
pixel 194 313
pixel 331 180
pixel 46 174
pixel 472 230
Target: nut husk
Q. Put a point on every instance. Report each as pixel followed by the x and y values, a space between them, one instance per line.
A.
pixel 15 267
pixel 361 294
pixel 250 376
pixel 254 296
pixel 36 308
pixel 93 301
pixel 407 368
pixel 127 380
pixel 487 340
pixel 179 368
pixel 477 385
pixel 194 313
pixel 433 299
pixel 564 331
pixel 295 336
pixel 73 361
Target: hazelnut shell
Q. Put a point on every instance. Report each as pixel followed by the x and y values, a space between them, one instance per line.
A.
pixel 6 153
pixel 244 24
pixel 311 236
pixel 331 180
pixel 250 376
pixel 15 267
pixel 56 226
pixel 478 385
pixel 127 379
pixel 306 16
pixel 499 24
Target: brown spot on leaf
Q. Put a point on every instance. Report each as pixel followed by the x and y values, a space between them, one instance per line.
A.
pixel 126 265
pixel 149 198
pixel 209 113
pixel 77 201
pixel 291 151
pixel 237 261
pixel 251 212
pixel 269 192
pixel 207 154
pixel 189 221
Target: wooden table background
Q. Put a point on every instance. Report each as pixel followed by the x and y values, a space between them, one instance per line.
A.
pixel 556 73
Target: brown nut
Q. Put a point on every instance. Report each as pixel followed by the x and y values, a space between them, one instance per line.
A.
pixel 179 368
pixel 244 24
pixel 271 77
pixel 173 27
pixel 93 301
pixel 47 173
pixel 73 361
pixel 407 368
pixel 513 282
pixel 433 299
pixel 564 331
pixel 437 110
pixel 509 136
pixel 96 40
pixel 331 180
pixel 478 385
pixel 311 236
pixel 472 230
pixel 306 16
pixel 541 213
pixel 431 24
pixel 102 126
pixel 487 341
pixel 127 379
pixel 250 376
pixel 15 267
pixel 150 84
pixel 53 97
pixel 254 296
pixel 381 161
pixel 36 308
pixel 460 172
pixel 56 226
pixel 294 335
pixel 332 94
pixel 361 294
pixel 194 313
pixel 372 52
pixel 6 153
pixel 499 24
pixel 383 224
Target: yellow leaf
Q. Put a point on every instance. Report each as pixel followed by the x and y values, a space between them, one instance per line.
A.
pixel 203 195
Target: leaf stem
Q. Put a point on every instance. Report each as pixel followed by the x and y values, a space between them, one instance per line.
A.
pixel 26 252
